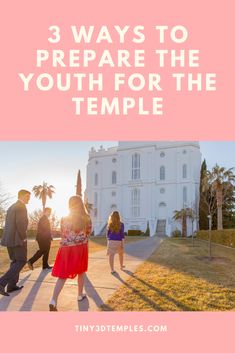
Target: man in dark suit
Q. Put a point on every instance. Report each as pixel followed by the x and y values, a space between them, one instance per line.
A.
pixel 44 240
pixel 15 239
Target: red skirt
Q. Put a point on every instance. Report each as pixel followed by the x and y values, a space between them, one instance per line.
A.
pixel 71 261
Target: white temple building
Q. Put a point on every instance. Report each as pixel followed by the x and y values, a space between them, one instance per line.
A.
pixel 145 182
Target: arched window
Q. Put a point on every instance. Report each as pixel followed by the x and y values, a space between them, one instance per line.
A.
pixel 114 177
pixel 162 173
pixel 135 201
pixel 184 171
pixel 185 196
pixel 96 179
pixel 136 166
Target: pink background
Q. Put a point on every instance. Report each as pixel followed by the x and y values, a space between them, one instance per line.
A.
pixel 54 332
pixel 50 116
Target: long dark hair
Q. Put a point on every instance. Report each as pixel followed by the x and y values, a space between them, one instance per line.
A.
pixel 78 215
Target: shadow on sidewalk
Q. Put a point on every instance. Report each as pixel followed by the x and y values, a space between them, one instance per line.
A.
pixel 91 292
pixel 5 301
pixel 29 300
pixel 143 249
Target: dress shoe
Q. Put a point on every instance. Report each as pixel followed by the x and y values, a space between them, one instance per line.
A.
pixel 52 305
pixel 30 265
pixel 2 291
pixel 47 268
pixel 81 297
pixel 13 289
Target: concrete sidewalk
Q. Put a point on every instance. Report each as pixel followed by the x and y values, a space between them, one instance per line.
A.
pixel 99 283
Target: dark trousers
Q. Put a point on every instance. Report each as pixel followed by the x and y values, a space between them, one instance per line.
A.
pixel 18 257
pixel 44 249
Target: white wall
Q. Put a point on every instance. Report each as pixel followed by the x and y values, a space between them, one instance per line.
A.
pixel 149 184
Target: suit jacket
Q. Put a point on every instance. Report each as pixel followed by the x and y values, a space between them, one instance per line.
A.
pixel 44 229
pixel 16 225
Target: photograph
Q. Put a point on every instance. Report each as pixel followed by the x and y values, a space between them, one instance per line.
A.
pixel 117 226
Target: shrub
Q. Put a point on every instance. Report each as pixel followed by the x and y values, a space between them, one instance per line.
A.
pixel 223 237
pixel 147 232
pixel 134 232
pixel 31 233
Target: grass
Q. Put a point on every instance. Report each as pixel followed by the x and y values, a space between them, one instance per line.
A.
pixel 95 244
pixel 179 277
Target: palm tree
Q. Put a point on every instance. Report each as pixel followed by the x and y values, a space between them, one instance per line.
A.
pixel 192 216
pixel 182 215
pixel 43 191
pixel 221 180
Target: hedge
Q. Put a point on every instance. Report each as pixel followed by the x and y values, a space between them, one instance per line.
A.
pixel 135 232
pixel 31 233
pixel 223 237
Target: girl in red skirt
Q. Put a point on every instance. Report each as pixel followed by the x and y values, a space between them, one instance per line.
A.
pixel 72 256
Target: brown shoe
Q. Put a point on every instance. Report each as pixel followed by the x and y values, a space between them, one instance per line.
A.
pixel 52 307
pixel 30 265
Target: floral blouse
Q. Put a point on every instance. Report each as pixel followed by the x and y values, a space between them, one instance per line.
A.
pixel 70 237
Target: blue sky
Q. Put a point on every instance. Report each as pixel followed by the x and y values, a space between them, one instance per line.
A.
pixel 25 164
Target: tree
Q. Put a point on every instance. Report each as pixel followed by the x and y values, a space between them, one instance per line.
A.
pixel 229 209
pixel 89 206
pixel 147 232
pixel 54 221
pixel 34 219
pixel 182 215
pixel 4 200
pixel 79 184
pixel 192 215
pixel 37 214
pixel 203 211
pixel 43 191
pixel 209 200
pixel 222 182
pixel 208 196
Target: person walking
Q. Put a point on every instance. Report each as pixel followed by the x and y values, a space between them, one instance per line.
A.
pixel 115 236
pixel 72 256
pixel 15 239
pixel 44 241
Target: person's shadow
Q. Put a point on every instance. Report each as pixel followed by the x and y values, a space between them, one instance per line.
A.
pixel 91 292
pixel 157 291
pixel 29 300
pixel 5 301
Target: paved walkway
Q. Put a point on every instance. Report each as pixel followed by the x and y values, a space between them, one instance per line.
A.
pixel 99 283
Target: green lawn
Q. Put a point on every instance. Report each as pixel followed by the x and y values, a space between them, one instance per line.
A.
pixel 95 244
pixel 179 277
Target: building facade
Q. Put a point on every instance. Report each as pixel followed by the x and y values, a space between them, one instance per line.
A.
pixel 146 182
